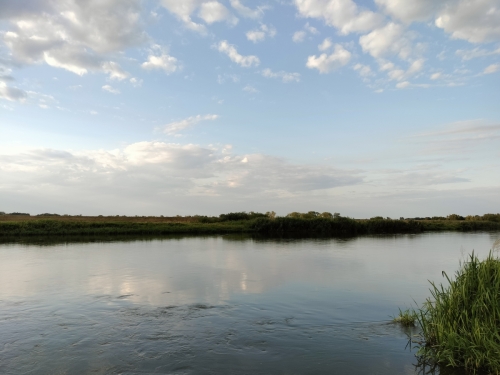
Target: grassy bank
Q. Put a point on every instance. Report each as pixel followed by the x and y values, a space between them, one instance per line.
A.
pixel 305 225
pixel 65 228
pixel 461 322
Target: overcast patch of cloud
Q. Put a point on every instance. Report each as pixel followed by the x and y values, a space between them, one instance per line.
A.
pixel 152 169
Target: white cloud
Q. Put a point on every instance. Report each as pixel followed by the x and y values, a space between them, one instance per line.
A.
pixel 299 36
pixel 476 53
pixel 363 70
pixel 161 60
pixel 213 11
pixel 344 15
pixel 136 82
pixel 177 126
pixel 247 12
pixel 436 76
pixel 477 21
pixel 76 36
pixel 232 53
pixel 284 76
pixel 326 63
pixel 261 33
pixel 12 94
pixel 410 11
pixel 183 10
pixel 222 78
pixel 403 85
pixel 387 41
pixel 250 89
pixel 152 172
pixel 110 89
pixel 325 45
pixel 493 68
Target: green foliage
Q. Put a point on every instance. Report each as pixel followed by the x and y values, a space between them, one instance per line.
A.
pixel 455 217
pixel 341 226
pixel 236 216
pixel 461 323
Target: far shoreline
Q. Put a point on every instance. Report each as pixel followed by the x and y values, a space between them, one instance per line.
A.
pixel 311 224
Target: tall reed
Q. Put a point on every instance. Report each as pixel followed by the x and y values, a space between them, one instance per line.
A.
pixel 461 323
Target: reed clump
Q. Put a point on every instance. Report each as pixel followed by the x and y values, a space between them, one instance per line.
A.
pixel 461 322
pixel 407 318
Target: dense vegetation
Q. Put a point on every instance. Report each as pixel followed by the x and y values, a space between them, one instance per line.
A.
pixel 461 322
pixel 294 224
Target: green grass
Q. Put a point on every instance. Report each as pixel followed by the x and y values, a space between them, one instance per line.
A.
pixel 461 322
pixel 407 318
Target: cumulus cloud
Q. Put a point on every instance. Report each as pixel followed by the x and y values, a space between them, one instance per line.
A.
pixel 410 11
pixel 232 53
pixel 76 36
pixel 213 11
pixel 12 94
pixel 183 10
pixel 177 126
pixel 344 15
pixel 160 59
pixel 261 33
pixel 284 76
pixel 388 40
pixel 477 21
pixel 326 63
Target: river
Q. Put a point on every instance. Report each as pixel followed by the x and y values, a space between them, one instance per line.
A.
pixel 220 305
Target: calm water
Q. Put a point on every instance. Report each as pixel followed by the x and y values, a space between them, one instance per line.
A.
pixel 218 305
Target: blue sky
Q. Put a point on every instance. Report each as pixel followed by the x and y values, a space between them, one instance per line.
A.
pixel 202 107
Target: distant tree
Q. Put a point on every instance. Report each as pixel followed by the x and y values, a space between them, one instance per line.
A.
pixel 2 213
pixel 326 215
pixel 271 214
pixel 455 217
pixel 336 215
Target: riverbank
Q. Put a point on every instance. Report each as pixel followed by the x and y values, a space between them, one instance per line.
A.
pixel 13 226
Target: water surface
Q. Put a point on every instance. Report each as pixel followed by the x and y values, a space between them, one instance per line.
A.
pixel 219 305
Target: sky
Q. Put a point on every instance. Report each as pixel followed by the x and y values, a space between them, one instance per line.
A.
pixel 170 107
